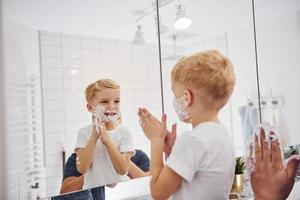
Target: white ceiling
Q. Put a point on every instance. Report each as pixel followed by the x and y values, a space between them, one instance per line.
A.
pixel 116 18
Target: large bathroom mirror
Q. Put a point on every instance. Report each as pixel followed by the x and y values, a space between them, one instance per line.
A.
pixel 59 48
pixel 278 46
pixel 56 48
pixel 226 26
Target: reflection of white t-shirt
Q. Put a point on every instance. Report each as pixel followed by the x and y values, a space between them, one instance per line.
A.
pixel 204 158
pixel 102 171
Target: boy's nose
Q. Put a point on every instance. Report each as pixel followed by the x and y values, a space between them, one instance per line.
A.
pixel 110 106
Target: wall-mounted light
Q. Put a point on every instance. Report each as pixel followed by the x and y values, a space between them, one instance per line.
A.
pixel 139 37
pixel 182 21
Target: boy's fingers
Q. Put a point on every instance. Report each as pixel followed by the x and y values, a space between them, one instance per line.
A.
pixel 146 112
pixel 164 121
pixel 174 130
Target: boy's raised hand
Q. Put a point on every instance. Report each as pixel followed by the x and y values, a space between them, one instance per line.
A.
pixel 170 139
pixel 151 126
pixel 103 134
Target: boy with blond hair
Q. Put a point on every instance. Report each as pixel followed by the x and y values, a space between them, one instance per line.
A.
pixel 104 147
pixel 201 163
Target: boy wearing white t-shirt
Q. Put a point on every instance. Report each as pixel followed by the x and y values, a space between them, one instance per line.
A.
pixel 104 147
pixel 202 162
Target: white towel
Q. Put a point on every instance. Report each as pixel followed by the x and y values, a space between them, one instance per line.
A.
pixel 250 120
pixel 275 117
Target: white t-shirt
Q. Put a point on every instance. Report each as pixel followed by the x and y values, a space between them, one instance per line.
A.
pixel 102 171
pixel 204 158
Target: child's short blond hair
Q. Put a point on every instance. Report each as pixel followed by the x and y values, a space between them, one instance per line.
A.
pixel 207 71
pixel 98 86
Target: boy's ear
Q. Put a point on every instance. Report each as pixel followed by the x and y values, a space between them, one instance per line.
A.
pixel 188 97
pixel 90 109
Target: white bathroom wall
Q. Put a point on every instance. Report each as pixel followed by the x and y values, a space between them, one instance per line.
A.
pixel 68 64
pixel 3 179
pixel 22 110
pixel 278 43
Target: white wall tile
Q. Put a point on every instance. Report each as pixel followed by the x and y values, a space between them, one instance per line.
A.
pixel 55 171
pixel 53 94
pixel 71 52
pixel 50 40
pixel 124 47
pixel 71 42
pixel 137 75
pixel 53 116
pixel 55 158
pixel 53 150
pixel 71 62
pixel 73 93
pixel 140 58
pixel 49 72
pixel 53 104
pixel 139 49
pixel 76 104
pixel 72 73
pixel 54 126
pixel 74 115
pixel 90 54
pixel 90 44
pixel 74 124
pixel 124 56
pixel 51 51
pixel 108 45
pixel 91 63
pixel 108 55
pixel 52 83
pixel 55 138
pixel 72 84
pixel 55 62
pixel 111 65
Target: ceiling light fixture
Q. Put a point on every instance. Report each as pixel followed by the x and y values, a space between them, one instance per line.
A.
pixel 139 37
pixel 182 21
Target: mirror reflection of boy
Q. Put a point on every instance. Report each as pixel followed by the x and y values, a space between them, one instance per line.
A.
pixel 104 147
pixel 201 163
pixel 73 180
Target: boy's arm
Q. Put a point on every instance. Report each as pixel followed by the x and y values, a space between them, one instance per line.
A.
pixel 164 181
pixel 71 184
pixel 121 162
pixel 136 172
pixel 85 155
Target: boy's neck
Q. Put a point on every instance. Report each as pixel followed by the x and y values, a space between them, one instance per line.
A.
pixel 202 117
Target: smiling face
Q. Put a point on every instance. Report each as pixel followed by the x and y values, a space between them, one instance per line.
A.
pixel 107 99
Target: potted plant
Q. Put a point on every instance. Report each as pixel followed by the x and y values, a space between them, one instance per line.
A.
pixel 240 166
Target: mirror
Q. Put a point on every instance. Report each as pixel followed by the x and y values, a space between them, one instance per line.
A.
pixel 64 46
pixel 227 27
pixel 278 44
pixel 56 49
